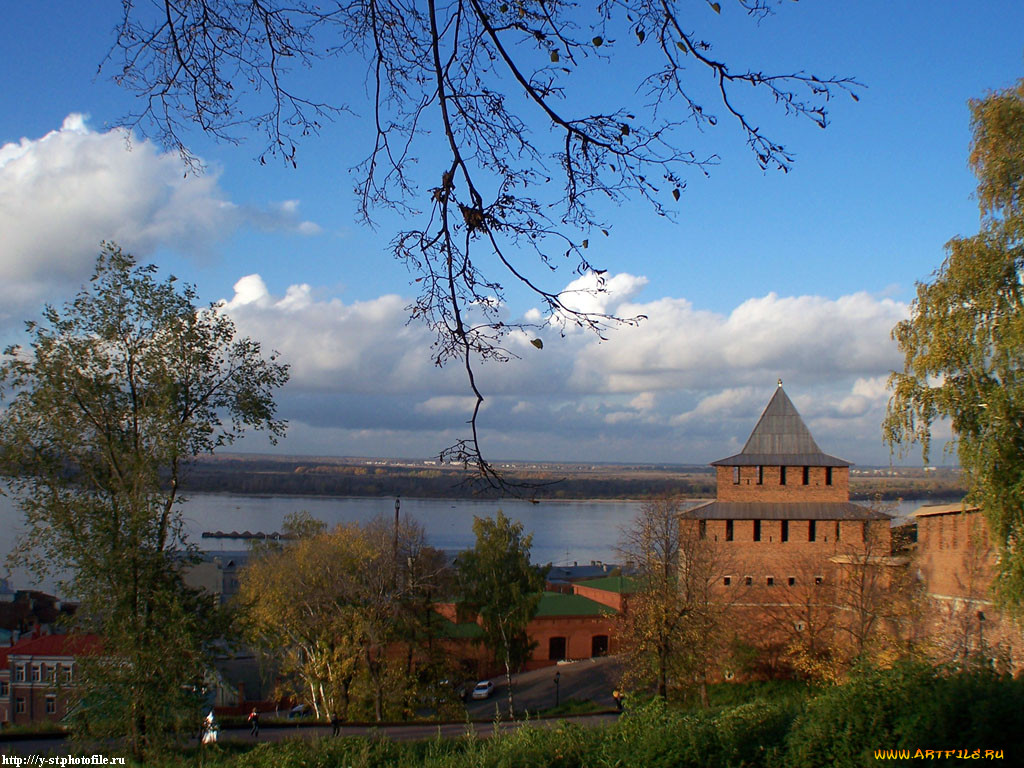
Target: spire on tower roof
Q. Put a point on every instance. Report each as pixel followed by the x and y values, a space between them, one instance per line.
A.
pixel 781 438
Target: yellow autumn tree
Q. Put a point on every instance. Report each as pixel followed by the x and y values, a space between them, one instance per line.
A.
pixel 303 602
pixel 344 614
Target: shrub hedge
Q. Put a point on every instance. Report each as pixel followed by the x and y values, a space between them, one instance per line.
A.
pixel 908 707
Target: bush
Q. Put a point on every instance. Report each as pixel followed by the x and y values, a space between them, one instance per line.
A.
pixel 909 707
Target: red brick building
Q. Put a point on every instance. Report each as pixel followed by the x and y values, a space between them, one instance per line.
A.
pixel 567 627
pixel 783 501
pixel 37 676
pixel 781 534
pixel 957 564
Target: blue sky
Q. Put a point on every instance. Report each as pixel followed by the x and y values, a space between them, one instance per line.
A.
pixel 761 275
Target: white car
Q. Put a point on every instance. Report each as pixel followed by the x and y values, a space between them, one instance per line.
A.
pixel 483 689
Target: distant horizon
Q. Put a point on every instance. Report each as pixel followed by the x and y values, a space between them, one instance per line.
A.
pixel 499 461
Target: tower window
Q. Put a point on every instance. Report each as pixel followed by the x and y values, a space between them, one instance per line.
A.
pixel 828 475
pixel 760 475
pixel 728 530
pixel 807 475
pixel 792 581
pixel 757 530
pixel 702 527
pixel 782 475
pixel 812 530
pixel 837 530
pixel 727 580
pixel 748 580
pixel 785 530
pixel 735 475
pixel 770 581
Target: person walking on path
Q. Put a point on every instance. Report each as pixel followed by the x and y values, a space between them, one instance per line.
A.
pixel 335 725
pixel 210 729
pixel 254 723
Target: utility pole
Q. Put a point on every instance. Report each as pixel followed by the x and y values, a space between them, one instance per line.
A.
pixel 394 546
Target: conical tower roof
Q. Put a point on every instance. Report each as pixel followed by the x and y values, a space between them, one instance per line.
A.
pixel 781 438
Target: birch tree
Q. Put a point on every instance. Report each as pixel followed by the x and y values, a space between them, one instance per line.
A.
pixel 497 581
pixel 963 343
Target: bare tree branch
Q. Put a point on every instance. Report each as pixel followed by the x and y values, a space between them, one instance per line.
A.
pixel 512 186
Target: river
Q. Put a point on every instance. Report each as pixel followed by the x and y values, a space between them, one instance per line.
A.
pixel 563 531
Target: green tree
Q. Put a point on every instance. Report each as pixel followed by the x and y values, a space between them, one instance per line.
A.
pixel 119 389
pixel 963 344
pixel 497 582
pixel 476 107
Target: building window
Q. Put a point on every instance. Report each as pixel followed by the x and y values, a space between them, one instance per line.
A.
pixel 782 475
pixel 812 530
pixel 735 475
pixel 726 581
pixel 4 689
pixel 51 673
pixel 728 530
pixel 770 581
pixel 799 626
pixel 702 528
pixel 760 475
pixel 828 475
pixel 757 530
pixel 749 581
pixel 819 580
pixel 837 530
pixel 785 530
pixel 51 705
pixel 67 673
pixel 807 475
pixel 19 673
pixel 19 705
pixel 864 531
pixel 37 673
pixel 556 649
pixel 791 581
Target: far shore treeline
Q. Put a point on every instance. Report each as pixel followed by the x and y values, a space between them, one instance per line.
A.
pixel 304 476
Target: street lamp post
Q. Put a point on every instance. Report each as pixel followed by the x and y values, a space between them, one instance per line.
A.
pixel 981 635
pixel 394 546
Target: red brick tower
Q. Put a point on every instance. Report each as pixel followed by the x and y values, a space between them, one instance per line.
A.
pixel 782 496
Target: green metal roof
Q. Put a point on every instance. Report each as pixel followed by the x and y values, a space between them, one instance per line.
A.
pixel 558 604
pixel 622 585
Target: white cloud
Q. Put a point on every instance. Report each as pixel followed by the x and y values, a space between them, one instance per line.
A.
pixel 599 295
pixel 63 193
pixel 686 386
pixel 364 347
pixel 681 347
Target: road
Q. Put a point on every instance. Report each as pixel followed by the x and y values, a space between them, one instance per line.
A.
pixel 586 680
pixel 591 679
